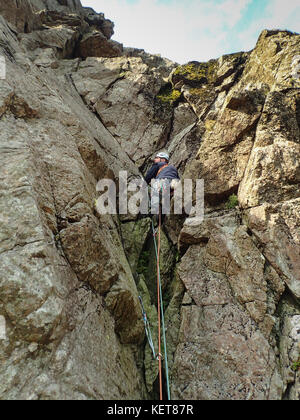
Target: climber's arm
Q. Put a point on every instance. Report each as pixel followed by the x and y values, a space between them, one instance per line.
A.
pixel 151 173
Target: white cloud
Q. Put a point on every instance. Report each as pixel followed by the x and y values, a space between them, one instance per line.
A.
pixel 279 14
pixel 185 30
pixel 179 30
pixel 230 11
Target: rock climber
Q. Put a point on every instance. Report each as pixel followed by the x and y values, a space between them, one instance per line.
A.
pixel 163 178
pixel 161 169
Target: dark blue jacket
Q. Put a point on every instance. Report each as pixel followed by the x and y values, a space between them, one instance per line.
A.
pixel 170 172
pixel 153 171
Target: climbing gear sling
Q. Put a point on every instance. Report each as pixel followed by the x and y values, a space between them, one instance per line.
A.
pixel 162 168
pixel 147 328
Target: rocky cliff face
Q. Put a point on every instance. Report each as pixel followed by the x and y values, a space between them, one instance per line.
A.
pixel 77 107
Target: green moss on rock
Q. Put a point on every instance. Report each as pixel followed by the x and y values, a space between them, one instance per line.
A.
pixel 196 73
pixel 168 95
pixel 191 71
pixel 232 202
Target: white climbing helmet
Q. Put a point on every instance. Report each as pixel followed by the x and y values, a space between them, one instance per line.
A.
pixel 163 155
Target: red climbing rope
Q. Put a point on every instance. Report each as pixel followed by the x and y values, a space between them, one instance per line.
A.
pixel 158 311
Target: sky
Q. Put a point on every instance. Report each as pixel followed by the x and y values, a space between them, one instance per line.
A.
pixel 195 30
